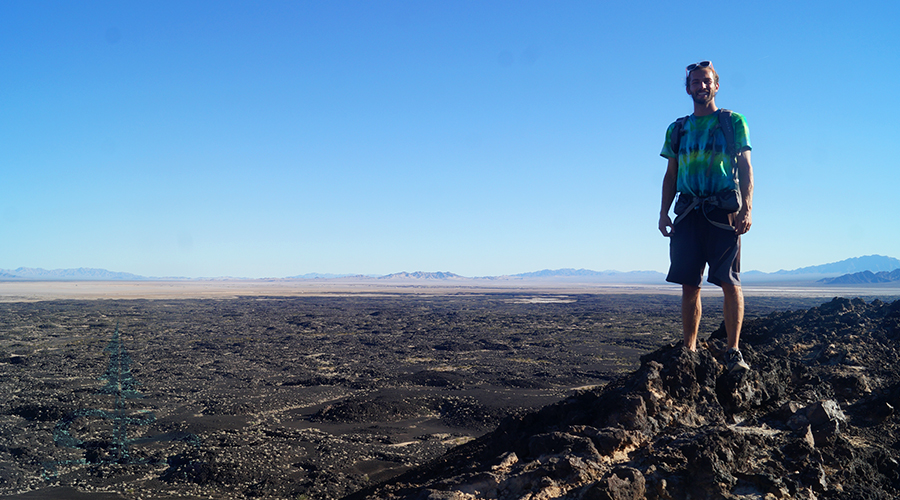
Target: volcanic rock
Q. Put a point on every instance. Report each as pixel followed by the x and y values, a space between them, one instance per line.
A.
pixel 813 419
pixel 319 397
pixel 286 397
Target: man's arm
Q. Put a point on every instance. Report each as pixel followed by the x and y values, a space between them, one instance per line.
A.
pixel 668 196
pixel 745 175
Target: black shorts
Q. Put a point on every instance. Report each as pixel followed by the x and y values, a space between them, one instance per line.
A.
pixel 695 242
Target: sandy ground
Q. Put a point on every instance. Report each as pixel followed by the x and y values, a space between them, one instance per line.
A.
pixel 29 291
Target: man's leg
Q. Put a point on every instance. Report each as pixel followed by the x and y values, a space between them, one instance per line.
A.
pixel 734 313
pixel 691 311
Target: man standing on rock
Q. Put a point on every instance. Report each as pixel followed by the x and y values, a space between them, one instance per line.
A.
pixel 709 168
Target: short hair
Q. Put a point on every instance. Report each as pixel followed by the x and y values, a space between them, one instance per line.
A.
pixel 687 79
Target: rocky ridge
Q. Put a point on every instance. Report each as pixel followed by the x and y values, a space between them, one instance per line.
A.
pixel 814 419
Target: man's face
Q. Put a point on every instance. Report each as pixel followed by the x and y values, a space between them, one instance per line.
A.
pixel 703 86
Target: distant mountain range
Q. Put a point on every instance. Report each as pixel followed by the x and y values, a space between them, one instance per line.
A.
pixel 857 270
pixel 419 275
pixel 864 277
pixel 824 273
pixel 80 274
pixel 873 263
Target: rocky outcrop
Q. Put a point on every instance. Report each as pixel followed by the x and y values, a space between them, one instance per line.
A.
pixel 814 419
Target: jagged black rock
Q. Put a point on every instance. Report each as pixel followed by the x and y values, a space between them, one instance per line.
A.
pixel 814 419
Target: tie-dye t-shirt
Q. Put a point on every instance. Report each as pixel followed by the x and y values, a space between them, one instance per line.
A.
pixel 703 166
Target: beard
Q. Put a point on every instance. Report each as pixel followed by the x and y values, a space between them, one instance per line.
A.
pixel 704 99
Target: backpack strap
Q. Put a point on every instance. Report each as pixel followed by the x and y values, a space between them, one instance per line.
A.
pixel 677 132
pixel 727 127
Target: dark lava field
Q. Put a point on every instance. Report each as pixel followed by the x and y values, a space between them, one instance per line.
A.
pixel 299 397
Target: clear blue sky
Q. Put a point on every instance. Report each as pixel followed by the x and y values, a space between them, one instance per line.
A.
pixel 271 139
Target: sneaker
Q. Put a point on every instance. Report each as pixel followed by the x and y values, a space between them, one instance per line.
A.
pixel 734 361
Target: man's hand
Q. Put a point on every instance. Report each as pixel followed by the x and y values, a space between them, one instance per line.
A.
pixel 665 225
pixel 742 222
pixel 668 196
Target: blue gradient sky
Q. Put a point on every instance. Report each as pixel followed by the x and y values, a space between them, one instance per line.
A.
pixel 271 139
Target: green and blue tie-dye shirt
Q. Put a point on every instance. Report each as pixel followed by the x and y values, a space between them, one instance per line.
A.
pixel 703 166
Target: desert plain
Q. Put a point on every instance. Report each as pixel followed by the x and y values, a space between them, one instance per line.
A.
pixel 276 389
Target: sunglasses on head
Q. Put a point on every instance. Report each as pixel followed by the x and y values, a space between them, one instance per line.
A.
pixel 701 64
